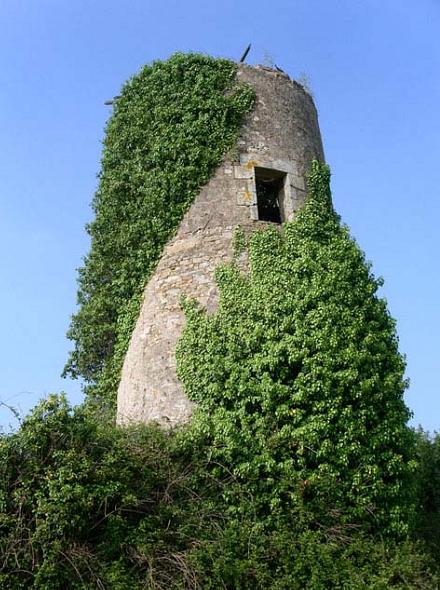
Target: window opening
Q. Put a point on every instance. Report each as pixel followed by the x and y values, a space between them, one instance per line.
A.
pixel 269 185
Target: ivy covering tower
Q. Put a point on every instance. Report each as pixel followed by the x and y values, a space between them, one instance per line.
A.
pixel 298 377
pixel 260 180
pixel 170 128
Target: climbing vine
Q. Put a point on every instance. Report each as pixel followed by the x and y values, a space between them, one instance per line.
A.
pixel 170 128
pixel 298 377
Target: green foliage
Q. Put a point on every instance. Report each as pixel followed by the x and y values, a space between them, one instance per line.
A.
pixel 170 127
pixel 85 506
pixel 245 558
pixel 299 380
pixel 428 489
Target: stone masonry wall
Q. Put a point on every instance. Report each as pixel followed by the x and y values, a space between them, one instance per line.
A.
pixel 280 133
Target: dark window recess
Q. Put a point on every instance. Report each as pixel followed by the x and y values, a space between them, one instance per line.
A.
pixel 270 194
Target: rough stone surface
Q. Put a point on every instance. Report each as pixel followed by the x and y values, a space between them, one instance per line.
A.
pixel 280 133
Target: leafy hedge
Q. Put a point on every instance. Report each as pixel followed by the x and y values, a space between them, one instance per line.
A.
pixel 170 128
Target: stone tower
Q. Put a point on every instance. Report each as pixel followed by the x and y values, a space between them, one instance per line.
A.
pixel 263 181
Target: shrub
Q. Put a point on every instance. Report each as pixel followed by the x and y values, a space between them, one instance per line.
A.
pixel 76 496
pixel 85 505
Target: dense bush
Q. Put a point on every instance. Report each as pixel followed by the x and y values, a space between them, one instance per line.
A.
pixel 298 376
pixel 85 506
pixel 89 506
pixel 170 128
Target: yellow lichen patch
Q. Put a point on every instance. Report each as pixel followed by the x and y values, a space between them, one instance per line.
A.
pixel 247 196
pixel 251 164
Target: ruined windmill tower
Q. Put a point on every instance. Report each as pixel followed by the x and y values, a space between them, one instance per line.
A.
pixel 262 182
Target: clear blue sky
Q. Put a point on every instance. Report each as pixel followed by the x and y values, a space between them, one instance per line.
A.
pixel 374 70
